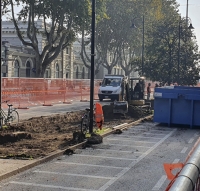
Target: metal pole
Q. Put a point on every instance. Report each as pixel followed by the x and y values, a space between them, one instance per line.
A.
pixel 92 67
pixel 179 47
pixel 142 45
pixel 187 14
pixel 189 174
pixel 0 68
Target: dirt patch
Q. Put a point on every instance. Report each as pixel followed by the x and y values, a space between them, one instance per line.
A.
pixel 39 136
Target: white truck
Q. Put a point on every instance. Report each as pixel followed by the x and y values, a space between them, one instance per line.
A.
pixel 113 87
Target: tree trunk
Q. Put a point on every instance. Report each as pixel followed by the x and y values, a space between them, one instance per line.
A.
pixel 109 70
pixel 126 73
pixel 40 67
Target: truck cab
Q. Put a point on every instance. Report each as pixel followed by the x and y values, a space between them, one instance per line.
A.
pixel 112 87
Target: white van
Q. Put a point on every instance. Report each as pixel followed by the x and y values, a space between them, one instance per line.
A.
pixel 112 87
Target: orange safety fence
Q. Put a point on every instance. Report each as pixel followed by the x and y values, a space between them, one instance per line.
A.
pixel 26 92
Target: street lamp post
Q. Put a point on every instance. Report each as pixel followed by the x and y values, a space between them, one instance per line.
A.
pixel 92 67
pixel 187 14
pixel 179 39
pixel 179 47
pixel 133 26
pixel 0 67
pixel 142 45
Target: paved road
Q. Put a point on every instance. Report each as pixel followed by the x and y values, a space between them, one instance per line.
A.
pixel 58 108
pixel 131 161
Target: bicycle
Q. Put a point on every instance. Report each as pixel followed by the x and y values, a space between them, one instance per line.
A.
pixel 11 117
pixel 98 118
pixel 85 121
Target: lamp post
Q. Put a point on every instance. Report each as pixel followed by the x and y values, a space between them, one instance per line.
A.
pixel 1 69
pixel 142 45
pixel 133 26
pixel 187 14
pixel 179 40
pixel 179 46
pixel 92 67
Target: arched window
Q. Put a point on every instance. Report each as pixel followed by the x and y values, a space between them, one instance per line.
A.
pixel 83 73
pixel 28 69
pixel 57 71
pixel 16 68
pixel 67 75
pixel 77 72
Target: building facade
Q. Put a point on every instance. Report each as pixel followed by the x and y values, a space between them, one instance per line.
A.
pixel 19 60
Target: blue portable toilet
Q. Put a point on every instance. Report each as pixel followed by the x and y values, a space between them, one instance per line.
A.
pixel 177 105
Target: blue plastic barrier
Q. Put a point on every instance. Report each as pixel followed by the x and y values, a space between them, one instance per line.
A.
pixel 177 105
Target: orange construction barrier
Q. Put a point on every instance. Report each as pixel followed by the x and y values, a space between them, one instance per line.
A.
pixel 99 118
pixel 27 92
pixel 170 167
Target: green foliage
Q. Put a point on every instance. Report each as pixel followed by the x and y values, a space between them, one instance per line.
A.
pixel 164 62
pixel 62 20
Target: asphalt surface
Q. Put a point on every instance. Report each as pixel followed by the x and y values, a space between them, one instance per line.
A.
pixel 131 161
pixel 55 109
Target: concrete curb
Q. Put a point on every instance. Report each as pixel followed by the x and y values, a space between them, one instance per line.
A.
pixel 60 152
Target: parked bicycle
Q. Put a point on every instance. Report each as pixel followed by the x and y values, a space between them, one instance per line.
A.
pixel 97 118
pixel 85 121
pixel 11 117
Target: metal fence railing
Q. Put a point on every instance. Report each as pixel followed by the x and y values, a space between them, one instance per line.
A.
pixel 188 178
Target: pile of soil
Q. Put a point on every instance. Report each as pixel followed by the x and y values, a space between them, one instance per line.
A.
pixel 39 136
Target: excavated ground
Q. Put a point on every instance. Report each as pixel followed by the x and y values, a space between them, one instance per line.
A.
pixel 39 136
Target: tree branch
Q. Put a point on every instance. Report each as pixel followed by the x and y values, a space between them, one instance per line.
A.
pixel 18 30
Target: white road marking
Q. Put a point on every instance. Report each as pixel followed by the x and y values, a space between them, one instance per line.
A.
pixel 71 174
pixel 119 175
pixel 129 146
pixel 169 130
pixel 162 179
pixel 176 160
pixel 191 140
pixel 160 182
pixel 184 150
pixel 154 133
pixel 119 151
pixel 50 186
pixel 112 139
pixel 114 158
pixel 90 165
pixel 134 136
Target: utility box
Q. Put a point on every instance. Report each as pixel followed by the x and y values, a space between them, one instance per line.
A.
pixel 177 105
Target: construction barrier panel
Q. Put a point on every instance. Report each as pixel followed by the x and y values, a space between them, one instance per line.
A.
pixel 26 92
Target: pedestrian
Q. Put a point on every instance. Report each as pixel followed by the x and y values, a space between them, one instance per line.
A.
pixel 137 90
pixel 148 91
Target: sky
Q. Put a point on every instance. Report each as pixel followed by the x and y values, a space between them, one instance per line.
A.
pixel 193 14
